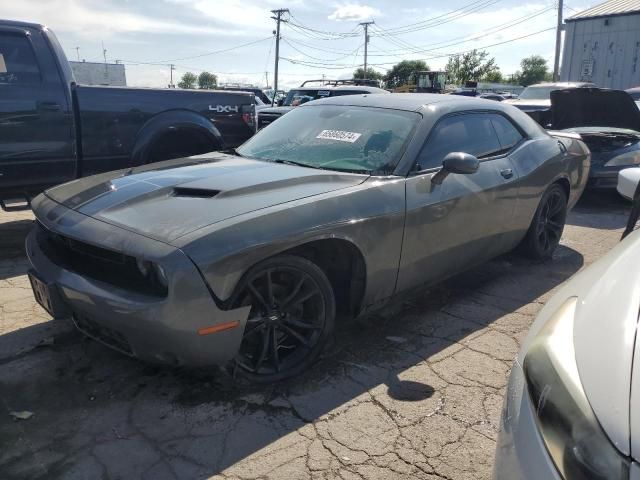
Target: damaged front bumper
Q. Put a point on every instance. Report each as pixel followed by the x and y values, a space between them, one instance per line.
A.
pixel 155 328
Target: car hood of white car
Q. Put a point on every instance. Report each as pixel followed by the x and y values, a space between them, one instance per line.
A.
pixel 605 326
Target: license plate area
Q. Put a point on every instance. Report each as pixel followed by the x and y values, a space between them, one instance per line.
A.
pixel 47 296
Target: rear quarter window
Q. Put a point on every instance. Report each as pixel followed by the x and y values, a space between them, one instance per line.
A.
pixel 508 134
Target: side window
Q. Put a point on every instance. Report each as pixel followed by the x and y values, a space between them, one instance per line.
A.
pixel 17 61
pixel 508 135
pixel 470 133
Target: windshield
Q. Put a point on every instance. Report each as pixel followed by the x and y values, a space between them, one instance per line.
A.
pixel 538 93
pixel 298 97
pixel 343 138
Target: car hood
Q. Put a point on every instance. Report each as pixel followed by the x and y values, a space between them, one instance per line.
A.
pixel 170 199
pixel 584 107
pixel 525 105
pixel 278 110
pixel 605 324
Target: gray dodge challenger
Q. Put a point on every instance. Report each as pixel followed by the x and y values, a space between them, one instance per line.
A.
pixel 246 258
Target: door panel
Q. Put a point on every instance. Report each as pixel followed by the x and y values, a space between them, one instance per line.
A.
pixel 456 225
pixel 465 220
pixel 36 123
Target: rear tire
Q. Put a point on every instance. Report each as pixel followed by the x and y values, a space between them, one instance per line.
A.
pixel 292 317
pixel 547 225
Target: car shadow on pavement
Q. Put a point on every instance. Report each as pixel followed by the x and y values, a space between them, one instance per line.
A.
pixel 12 236
pixel 100 414
pixel 589 210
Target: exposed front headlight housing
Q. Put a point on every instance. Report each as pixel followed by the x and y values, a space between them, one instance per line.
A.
pixel 574 439
pixel 628 159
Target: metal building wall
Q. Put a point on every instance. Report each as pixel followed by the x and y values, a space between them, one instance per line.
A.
pixel 605 51
pixel 91 73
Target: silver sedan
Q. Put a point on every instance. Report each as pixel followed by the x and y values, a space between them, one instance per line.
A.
pixel 572 403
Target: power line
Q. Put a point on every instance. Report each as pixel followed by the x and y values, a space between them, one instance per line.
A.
pixel 215 52
pixel 439 20
pixel 477 35
pixel 285 40
pixel 431 57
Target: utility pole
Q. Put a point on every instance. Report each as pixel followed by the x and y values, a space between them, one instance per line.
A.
pixel 78 53
pixel 172 67
pixel 278 18
pixel 556 62
pixel 366 42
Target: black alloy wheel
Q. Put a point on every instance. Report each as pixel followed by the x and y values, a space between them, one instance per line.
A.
pixel 548 223
pixel 292 315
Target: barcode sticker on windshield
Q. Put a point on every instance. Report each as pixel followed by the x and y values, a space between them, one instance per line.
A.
pixel 339 135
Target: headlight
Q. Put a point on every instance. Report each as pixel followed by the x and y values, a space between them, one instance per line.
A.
pixel 629 158
pixel 152 272
pixel 574 439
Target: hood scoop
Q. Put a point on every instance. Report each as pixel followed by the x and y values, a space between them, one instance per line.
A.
pixel 191 192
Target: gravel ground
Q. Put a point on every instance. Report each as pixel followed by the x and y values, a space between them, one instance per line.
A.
pixel 414 391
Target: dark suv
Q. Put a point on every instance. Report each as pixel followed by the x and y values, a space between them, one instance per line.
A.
pixel 300 95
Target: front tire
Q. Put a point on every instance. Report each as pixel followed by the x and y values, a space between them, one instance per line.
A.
pixel 292 317
pixel 547 225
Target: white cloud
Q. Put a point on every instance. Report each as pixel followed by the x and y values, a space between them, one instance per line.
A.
pixel 98 22
pixel 353 12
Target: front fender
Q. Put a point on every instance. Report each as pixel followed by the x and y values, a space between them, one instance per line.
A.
pixel 164 122
pixel 370 218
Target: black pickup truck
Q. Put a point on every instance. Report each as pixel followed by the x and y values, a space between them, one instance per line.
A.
pixel 53 130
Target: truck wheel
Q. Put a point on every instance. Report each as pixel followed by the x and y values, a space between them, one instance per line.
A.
pixel 179 145
pixel 547 225
pixel 292 316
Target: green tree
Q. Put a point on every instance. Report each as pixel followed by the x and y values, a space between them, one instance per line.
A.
pixel 470 66
pixel 494 77
pixel 402 73
pixel 534 70
pixel 371 74
pixel 207 80
pixel 188 81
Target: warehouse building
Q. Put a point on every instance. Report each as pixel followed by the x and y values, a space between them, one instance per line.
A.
pixel 95 73
pixel 602 45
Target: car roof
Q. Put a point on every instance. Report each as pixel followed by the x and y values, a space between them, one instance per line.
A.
pixel 411 102
pixel 355 88
pixel 564 84
pixel 16 23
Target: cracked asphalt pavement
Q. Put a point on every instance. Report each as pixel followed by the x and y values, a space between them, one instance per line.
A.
pixel 413 392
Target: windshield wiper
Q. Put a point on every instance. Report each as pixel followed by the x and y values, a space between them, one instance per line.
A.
pixel 232 151
pixel 299 164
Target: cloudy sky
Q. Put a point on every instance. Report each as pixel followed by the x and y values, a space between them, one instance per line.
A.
pixel 234 38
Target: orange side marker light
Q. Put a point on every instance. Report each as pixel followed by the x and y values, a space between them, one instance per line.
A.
pixel 219 328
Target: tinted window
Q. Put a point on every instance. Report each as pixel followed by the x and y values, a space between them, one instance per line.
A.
pixel 340 93
pixel 508 135
pixel 298 97
pixel 17 60
pixel 469 133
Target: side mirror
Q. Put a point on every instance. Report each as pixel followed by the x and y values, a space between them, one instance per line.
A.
pixel 280 102
pixel 456 162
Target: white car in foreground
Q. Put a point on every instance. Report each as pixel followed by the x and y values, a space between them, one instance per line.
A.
pixel 628 180
pixel 572 407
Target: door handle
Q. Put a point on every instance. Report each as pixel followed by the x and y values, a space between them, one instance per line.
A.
pixel 49 106
pixel 506 173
